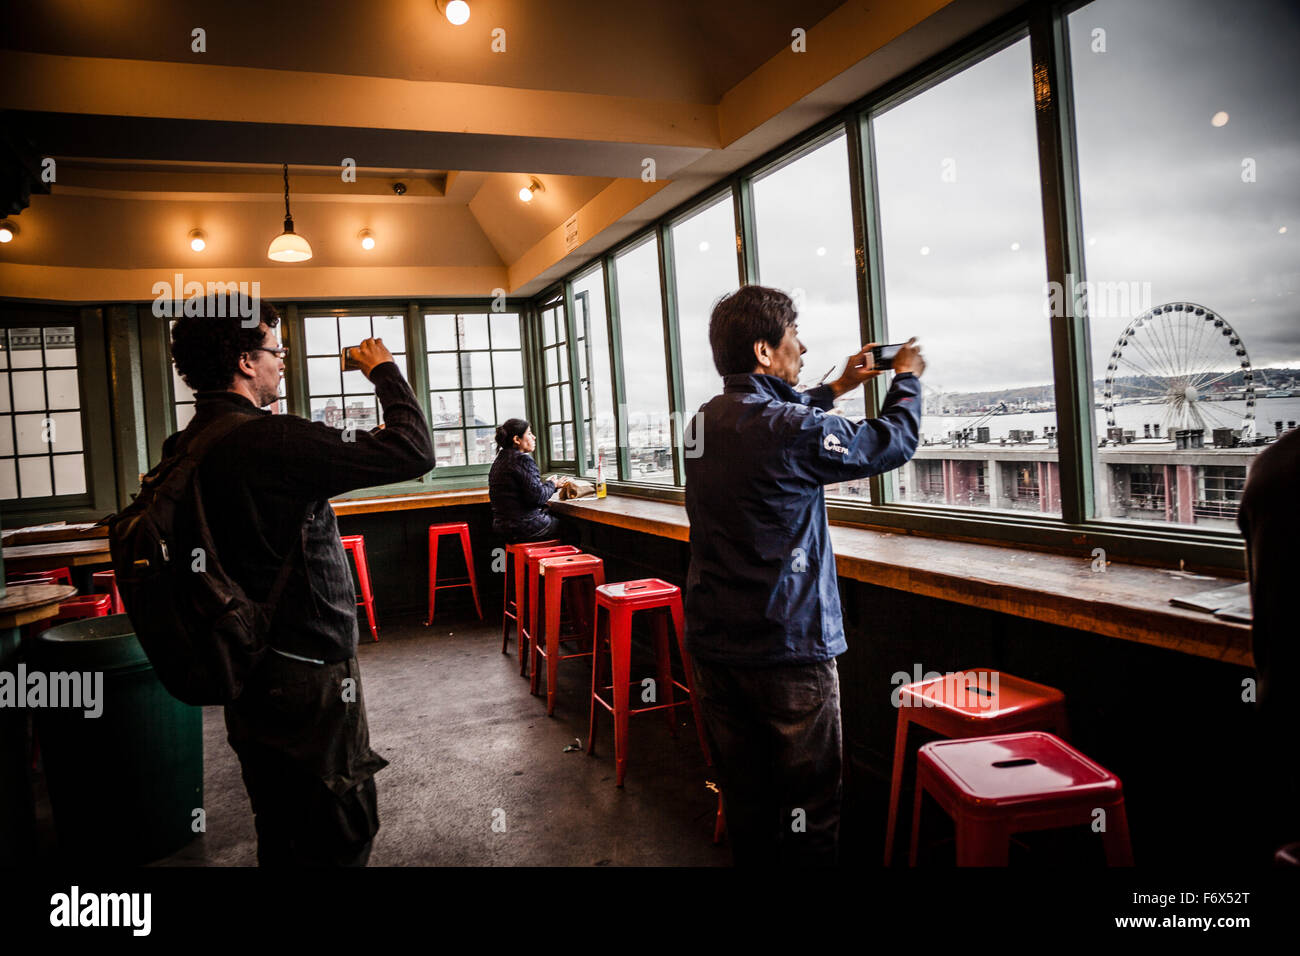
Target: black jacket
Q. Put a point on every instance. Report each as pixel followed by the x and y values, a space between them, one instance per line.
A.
pixel 266 488
pixel 518 496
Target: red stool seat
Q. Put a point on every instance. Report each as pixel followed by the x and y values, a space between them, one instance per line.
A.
pixel 514 600
pixel 75 609
pixel 459 529
pixel 52 576
pixel 619 602
pixel 106 582
pixel 532 593
pixel 557 569
pixel 355 545
pixel 993 787
pixel 972 703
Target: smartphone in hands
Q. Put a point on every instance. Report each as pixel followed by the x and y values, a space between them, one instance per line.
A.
pixel 882 356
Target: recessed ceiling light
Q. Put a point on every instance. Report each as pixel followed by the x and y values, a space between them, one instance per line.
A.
pixel 7 231
pixel 704 246
pixel 925 250
pixel 1281 230
pixel 367 239
pixel 821 250
pixel 534 187
pixel 198 241
pixel 1015 247
pixel 1219 119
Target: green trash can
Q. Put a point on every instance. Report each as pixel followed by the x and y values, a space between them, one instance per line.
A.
pixel 17 816
pixel 124 785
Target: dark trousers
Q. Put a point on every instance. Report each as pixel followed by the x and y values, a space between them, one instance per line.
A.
pixel 300 732
pixel 774 734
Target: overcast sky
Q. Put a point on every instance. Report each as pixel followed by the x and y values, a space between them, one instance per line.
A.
pixel 1162 194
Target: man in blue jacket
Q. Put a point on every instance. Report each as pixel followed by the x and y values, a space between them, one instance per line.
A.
pixel 762 603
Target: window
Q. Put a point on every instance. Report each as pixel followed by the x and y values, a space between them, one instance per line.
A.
pixel 476 382
pixel 1187 133
pixel 41 451
pixel 346 399
pixel 183 395
pixel 645 374
pixel 961 234
pixel 706 268
pixel 556 371
pixel 597 384
pixel 804 231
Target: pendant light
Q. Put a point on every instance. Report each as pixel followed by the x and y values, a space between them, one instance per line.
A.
pixel 288 246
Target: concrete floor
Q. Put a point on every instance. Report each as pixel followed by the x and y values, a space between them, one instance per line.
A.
pixel 464 738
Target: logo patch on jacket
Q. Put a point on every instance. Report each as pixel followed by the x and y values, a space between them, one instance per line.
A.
pixel 832 443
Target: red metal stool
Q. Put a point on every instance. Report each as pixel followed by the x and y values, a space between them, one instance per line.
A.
pixel 993 787
pixel 532 594
pixel 75 609
pixel 514 601
pixel 973 703
pixel 620 601
pixel 436 532
pixel 355 544
pixel 53 576
pixel 105 582
pixel 557 569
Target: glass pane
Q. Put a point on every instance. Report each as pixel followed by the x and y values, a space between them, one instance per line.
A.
pixel 6 435
pixel 478 407
pixel 510 404
pixel 69 474
pixel 61 346
pixel 392 329
pixel 641 321
pixel 548 327
pixel 965 267
pixel 482 446
pixel 552 365
pixel 180 391
pixel 1189 244
pixel 558 450
pixel 4 348
pixel 448 447
pixel 704 254
pixel 554 409
pixel 805 248
pixel 474 331
pixel 323 376
pixel 360 412
pixel 33 438
pixel 353 328
pixel 62 387
pixel 444 370
pixel 29 391
pixel 328 411
pixel 65 431
pixel 183 415
pixel 508 368
pixel 440 333
pixel 356 383
pixel 4 392
pixel 25 347
pixel 322 335
pixel 478 370
pixel 505 330
pixel 34 474
pixel 8 479
pixel 446 408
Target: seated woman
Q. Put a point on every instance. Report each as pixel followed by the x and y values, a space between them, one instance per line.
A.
pixel 516 489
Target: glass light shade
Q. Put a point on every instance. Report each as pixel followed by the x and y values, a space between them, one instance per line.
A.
pixel 6 234
pixel 458 12
pixel 526 195
pixel 289 247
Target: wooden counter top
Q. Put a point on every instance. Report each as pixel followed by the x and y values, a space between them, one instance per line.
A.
pixel 1128 601
pixel 435 499
pixel 60 554
pixel 25 603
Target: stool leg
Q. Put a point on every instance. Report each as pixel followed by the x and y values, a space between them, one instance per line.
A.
pixel 620 652
pixel 505 607
pixel 679 625
pixel 534 597
pixel 896 783
pixel 719 823
pixel 595 679
pixel 664 668
pixel 367 595
pixel 554 584
pixel 433 573
pixel 521 609
pixel 981 843
pixel 1119 849
pixel 469 563
pixel 916 825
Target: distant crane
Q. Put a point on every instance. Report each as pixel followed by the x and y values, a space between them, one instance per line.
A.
pixel 965 430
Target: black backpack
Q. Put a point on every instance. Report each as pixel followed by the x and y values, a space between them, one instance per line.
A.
pixel 202 633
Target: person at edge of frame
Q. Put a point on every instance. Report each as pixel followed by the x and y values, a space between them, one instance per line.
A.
pixel 299 726
pixel 1269 519
pixel 763 624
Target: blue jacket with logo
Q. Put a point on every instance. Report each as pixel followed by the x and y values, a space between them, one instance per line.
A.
pixel 761 589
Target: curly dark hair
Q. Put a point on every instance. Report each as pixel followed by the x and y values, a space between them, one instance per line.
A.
pixel 206 347
pixel 739 320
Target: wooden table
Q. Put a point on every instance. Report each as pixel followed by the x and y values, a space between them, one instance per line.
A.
pixel 24 603
pixel 1128 602
pixel 433 499
pixel 60 554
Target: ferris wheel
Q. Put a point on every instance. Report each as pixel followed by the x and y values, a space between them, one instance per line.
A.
pixel 1178 352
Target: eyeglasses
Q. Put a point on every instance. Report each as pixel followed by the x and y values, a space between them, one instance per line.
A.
pixel 278 353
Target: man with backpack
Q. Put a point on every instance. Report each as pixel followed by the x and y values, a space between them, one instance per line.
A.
pixel 298 723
